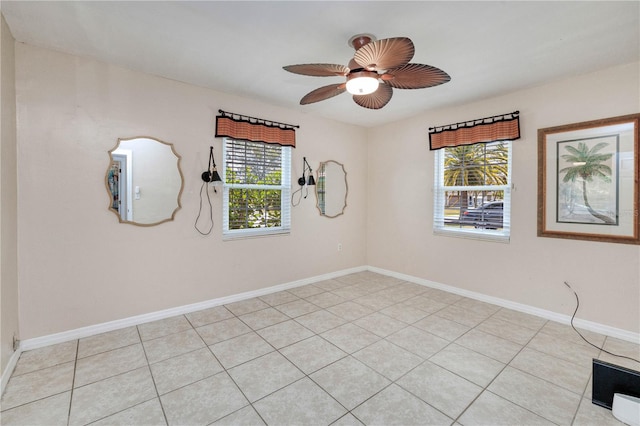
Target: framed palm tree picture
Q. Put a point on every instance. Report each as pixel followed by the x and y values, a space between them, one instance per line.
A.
pixel 588 180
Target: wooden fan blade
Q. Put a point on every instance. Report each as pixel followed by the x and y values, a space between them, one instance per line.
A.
pixel 323 93
pixel 318 70
pixel 377 99
pixel 415 76
pixel 385 54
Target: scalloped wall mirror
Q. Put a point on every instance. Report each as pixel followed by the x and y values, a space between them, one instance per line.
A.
pixel 331 189
pixel 144 181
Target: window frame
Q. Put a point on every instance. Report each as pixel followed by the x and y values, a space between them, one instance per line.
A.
pixel 284 188
pixel 440 190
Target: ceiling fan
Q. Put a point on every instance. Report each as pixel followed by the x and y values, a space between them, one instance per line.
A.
pixel 376 68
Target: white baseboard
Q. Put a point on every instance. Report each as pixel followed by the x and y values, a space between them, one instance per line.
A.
pixel 91 330
pixel 79 333
pixel 543 313
pixel 8 371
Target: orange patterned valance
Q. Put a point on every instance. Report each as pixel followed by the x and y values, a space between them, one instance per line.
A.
pixel 504 127
pixel 253 129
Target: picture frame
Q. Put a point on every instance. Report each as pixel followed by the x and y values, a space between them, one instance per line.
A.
pixel 588 180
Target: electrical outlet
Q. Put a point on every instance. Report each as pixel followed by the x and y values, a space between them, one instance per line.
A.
pixel 339 246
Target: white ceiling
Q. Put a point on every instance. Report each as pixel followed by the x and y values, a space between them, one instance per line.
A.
pixel 240 47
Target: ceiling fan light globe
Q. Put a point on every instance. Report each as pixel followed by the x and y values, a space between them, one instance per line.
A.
pixel 362 83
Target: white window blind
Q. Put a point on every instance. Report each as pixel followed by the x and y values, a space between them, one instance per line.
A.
pixel 257 186
pixel 472 193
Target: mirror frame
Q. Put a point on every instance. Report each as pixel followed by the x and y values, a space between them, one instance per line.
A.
pixel 346 188
pixel 106 181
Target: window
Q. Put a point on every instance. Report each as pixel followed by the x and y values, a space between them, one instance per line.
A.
pixel 257 182
pixel 472 195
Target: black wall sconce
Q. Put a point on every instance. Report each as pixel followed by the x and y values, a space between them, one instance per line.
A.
pixel 212 176
pixel 304 181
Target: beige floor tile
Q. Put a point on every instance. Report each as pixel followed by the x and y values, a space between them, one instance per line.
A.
pixel 325 300
pixel 568 334
pixel 222 330
pixel 441 296
pixel 350 292
pixel 506 330
pixel 148 413
pixel 104 398
pixel 350 338
pixel 395 406
pixel 442 389
pixel 107 364
pixel 418 342
pixel 543 398
pixel 388 359
pixel 490 409
pixel 462 315
pixel 356 277
pixel 588 393
pixel 477 306
pixel 246 416
pixel 246 306
pixel 48 356
pixel 623 348
pixel 590 414
pixel 520 318
pixel 53 410
pixel 183 370
pixel 297 308
pixel 475 367
pixel 423 303
pixel 172 345
pixel 350 311
pixel 263 318
pixel 347 420
pixel 208 316
pixel 163 327
pixel 394 294
pixel 329 285
pixel 374 301
pixel 350 382
pixel 560 372
pixel 578 354
pixel 442 327
pixel 320 321
pixel 404 313
pixel 240 349
pixel 264 375
pixel 38 384
pixel 110 340
pixel 279 298
pixel 410 333
pixel 411 289
pixel 312 354
pixel 372 286
pixel 380 325
pixel 492 346
pixel 301 403
pixel 203 402
pixel 306 290
pixel 285 333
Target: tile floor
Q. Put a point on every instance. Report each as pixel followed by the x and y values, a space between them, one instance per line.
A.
pixel 359 349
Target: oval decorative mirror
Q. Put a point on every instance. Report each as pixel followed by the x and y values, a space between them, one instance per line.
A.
pixel 331 189
pixel 144 181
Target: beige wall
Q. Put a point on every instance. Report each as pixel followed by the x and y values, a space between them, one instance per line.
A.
pixel 528 270
pixel 8 198
pixel 79 267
